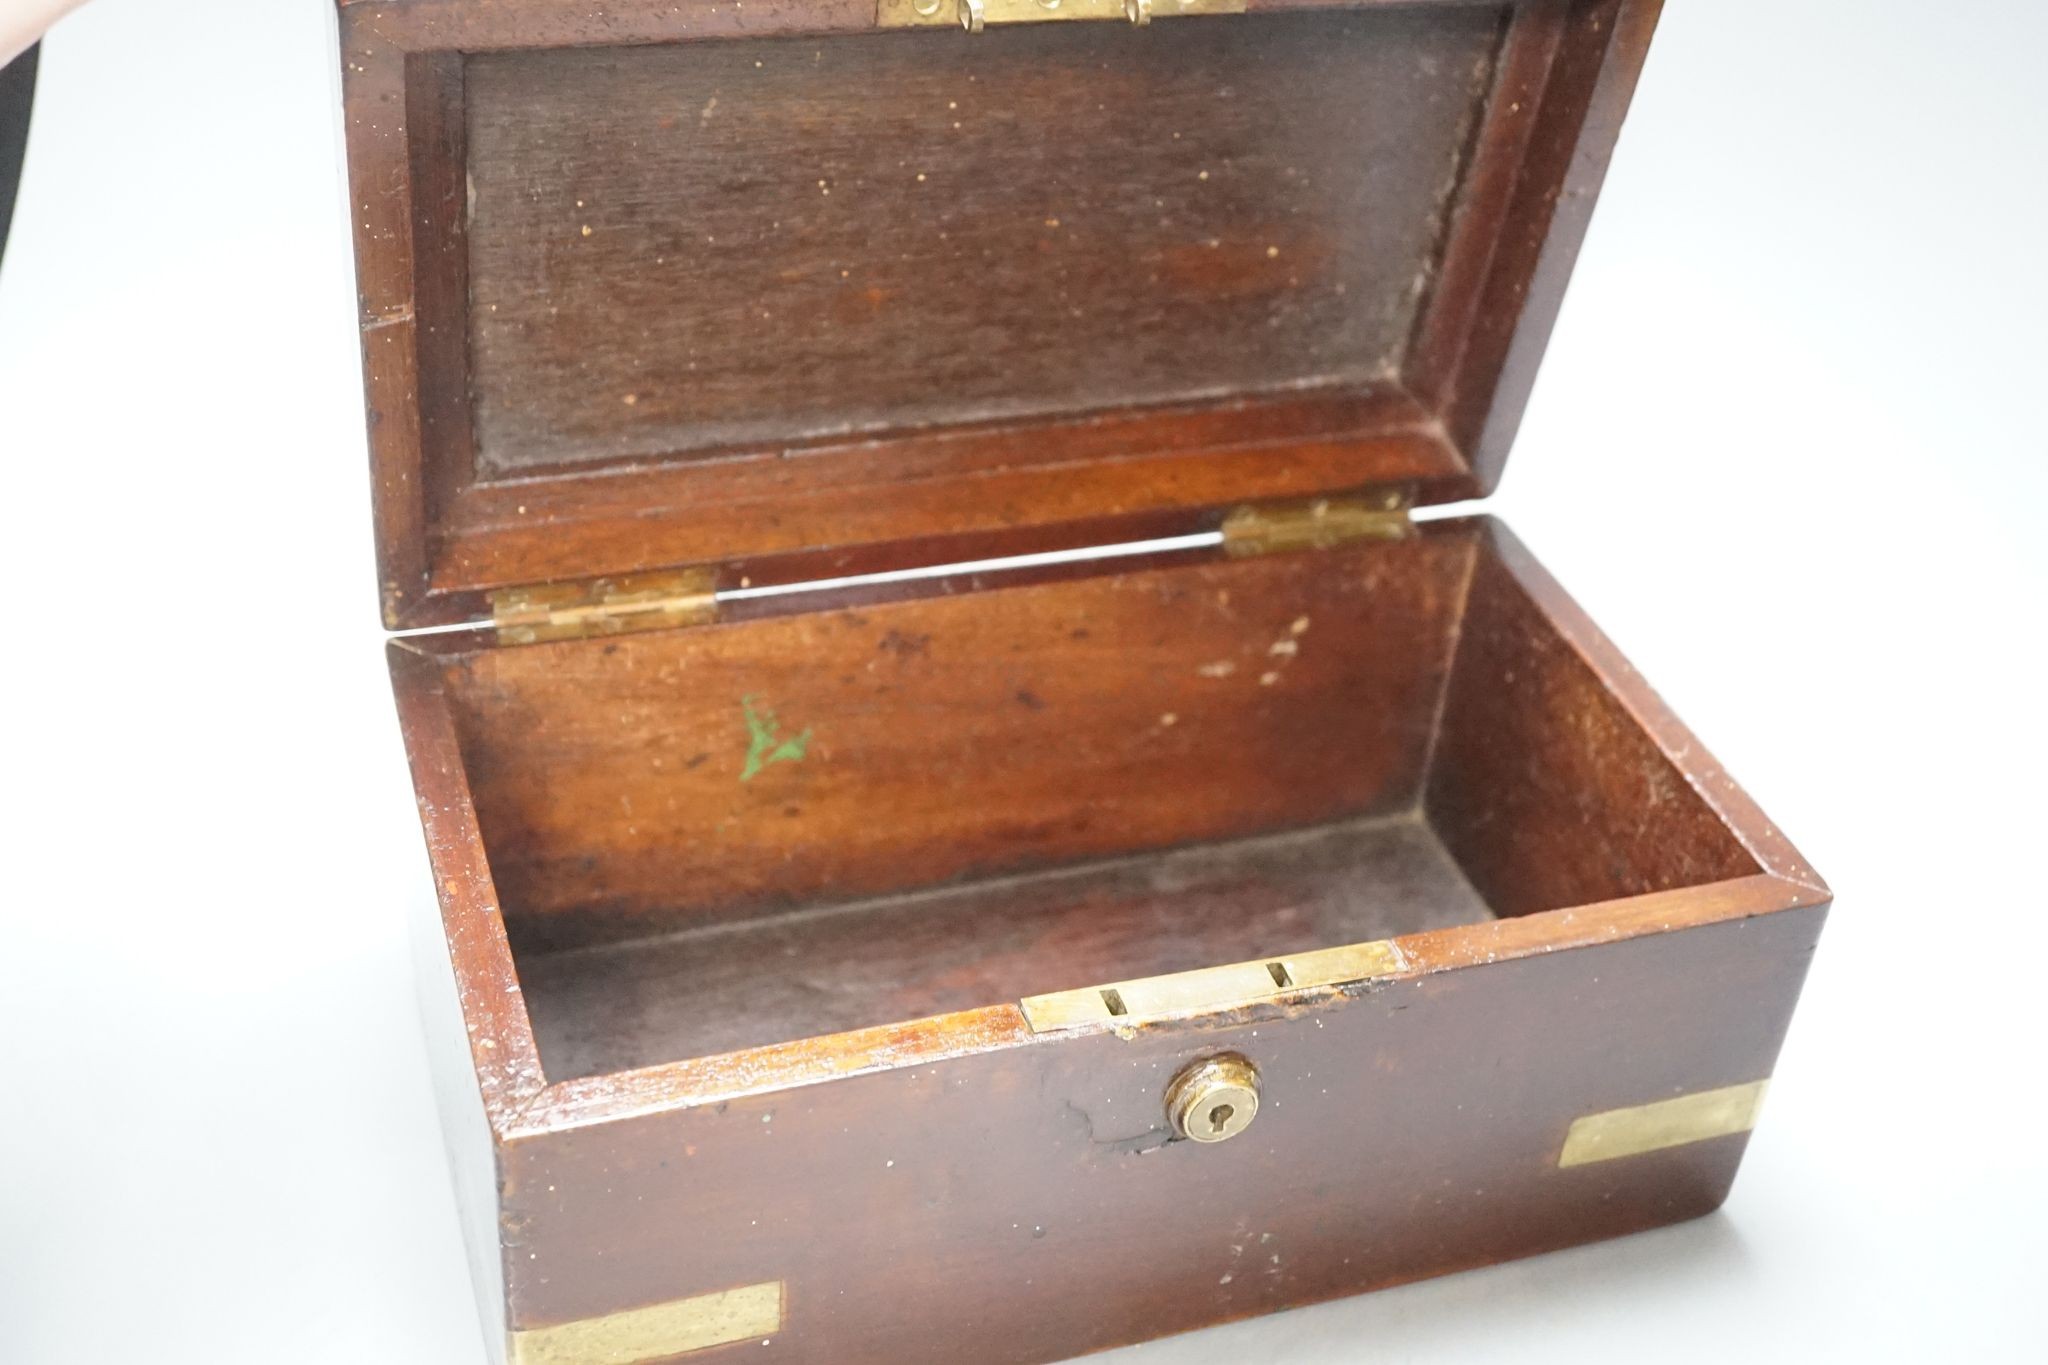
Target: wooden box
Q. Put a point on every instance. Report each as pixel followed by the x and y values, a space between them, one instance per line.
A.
pixel 1035 953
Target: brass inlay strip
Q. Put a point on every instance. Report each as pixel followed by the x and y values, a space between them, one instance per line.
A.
pixel 658 1332
pixel 1147 1000
pixel 1665 1123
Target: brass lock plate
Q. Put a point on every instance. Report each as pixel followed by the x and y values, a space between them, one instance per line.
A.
pixel 1180 995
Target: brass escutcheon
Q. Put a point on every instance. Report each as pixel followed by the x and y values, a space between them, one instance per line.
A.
pixel 1215 1099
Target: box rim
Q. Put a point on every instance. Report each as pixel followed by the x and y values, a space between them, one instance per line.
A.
pixel 523 1104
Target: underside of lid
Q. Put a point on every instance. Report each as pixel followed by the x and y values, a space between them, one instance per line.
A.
pixel 661 292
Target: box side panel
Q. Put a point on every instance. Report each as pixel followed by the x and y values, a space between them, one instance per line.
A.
pixel 1598 57
pixel 479 1043
pixel 1560 777
pixel 1025 1205
pixel 465 1130
pixel 1545 784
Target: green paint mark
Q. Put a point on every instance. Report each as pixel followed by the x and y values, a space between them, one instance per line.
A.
pixel 765 744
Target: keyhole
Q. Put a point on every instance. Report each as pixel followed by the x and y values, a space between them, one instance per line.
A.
pixel 1214 1100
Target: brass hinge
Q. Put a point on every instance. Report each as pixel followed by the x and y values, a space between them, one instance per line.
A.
pixel 1316 523
pixel 975 15
pixel 605 606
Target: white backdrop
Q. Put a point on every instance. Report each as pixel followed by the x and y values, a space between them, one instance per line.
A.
pixel 1788 449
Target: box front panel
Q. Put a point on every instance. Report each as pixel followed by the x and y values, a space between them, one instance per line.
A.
pixel 1025 1204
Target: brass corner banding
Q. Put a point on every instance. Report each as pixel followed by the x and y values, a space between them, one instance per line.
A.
pixel 1122 1004
pixel 1617 1133
pixel 658 1332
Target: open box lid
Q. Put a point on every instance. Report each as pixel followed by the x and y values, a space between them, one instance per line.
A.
pixel 833 287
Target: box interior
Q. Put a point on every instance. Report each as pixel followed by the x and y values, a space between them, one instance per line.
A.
pixel 728 836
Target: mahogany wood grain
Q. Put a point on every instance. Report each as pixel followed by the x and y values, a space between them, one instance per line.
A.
pixel 380 172
pixel 1549 793
pixel 1584 652
pixel 951 737
pixel 502 1055
pixel 1021 1203
pixel 1411 1127
pixel 1529 259
pixel 716 246
pixel 1494 170
pixel 438 140
pixel 940 497
pixel 707 896
pixel 479 1038
pixel 780 978
pixel 777 1067
pixel 998 414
